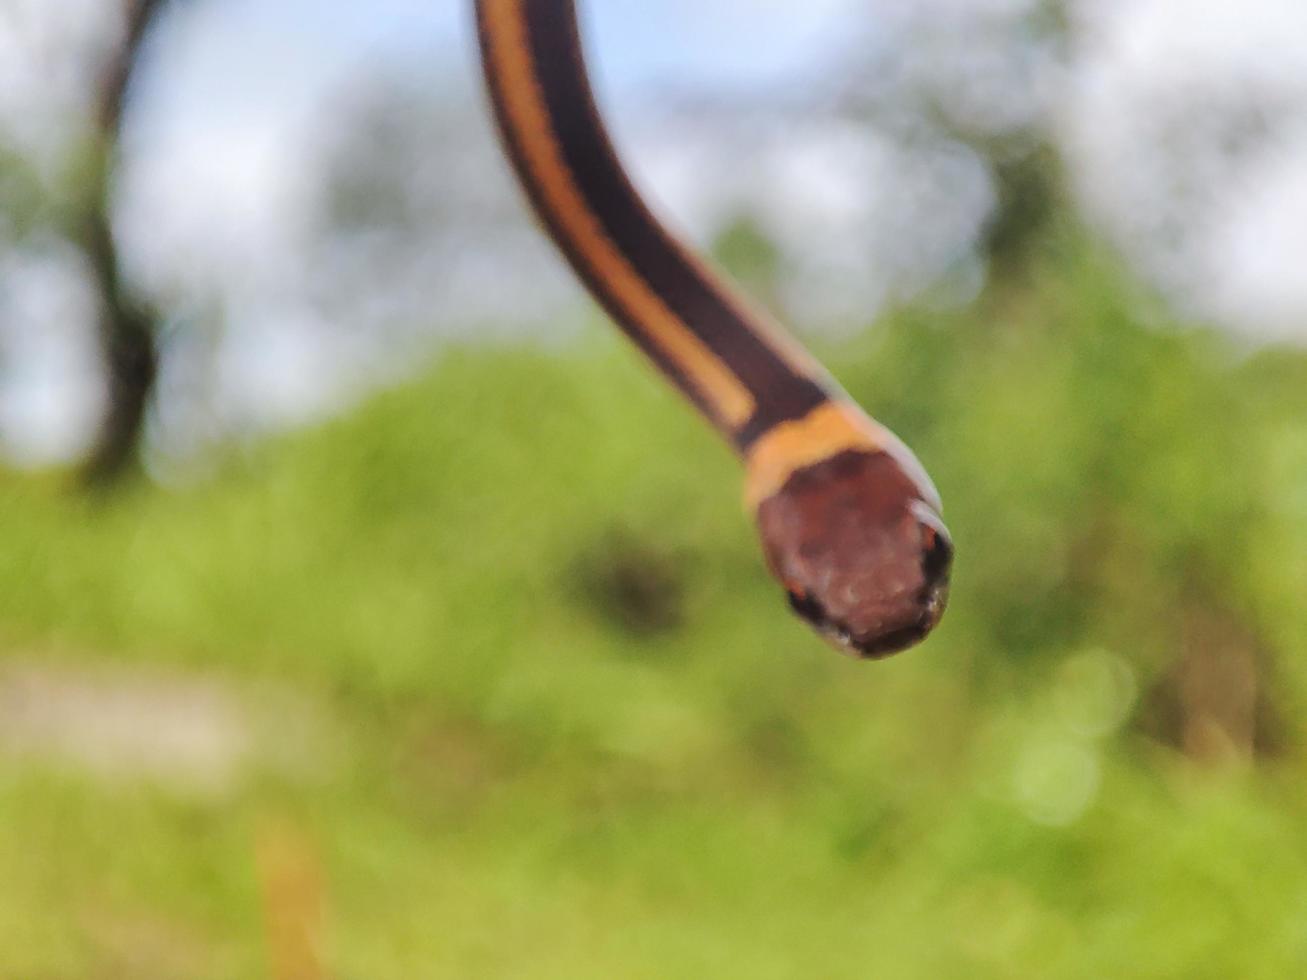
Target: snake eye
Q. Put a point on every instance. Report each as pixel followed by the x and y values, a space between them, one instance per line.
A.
pixel 938 555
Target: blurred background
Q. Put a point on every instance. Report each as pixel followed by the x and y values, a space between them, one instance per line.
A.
pixel 369 609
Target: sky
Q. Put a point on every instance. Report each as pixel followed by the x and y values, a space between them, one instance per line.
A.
pixel 234 90
pixel 240 91
pixel 238 98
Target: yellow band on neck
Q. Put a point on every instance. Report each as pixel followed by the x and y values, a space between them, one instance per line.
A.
pixel 829 429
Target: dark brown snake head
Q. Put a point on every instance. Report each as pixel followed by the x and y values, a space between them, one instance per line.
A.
pixel 863 554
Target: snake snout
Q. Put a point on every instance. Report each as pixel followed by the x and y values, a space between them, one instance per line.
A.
pixel 924 609
pixel 863 557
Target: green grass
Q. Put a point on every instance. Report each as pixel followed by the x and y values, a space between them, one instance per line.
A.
pixel 562 725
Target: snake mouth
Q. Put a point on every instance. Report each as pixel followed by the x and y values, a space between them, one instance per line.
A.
pixel 872 645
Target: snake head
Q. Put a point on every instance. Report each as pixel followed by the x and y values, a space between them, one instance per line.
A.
pixel 857 541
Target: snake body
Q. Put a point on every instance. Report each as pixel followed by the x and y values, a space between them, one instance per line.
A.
pixel 849 519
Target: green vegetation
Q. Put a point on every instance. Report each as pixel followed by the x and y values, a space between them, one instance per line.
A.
pixel 524 701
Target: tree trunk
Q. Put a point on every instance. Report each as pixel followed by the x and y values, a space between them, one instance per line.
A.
pixel 126 329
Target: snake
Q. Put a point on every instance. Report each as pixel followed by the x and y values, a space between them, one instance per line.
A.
pixel 850 522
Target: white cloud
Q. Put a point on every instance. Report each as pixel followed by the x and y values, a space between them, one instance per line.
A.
pixel 1188 140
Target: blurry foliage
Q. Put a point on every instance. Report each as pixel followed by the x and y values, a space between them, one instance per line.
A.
pixel 635 581
pixel 745 250
pixel 982 80
pixel 571 729
pixel 1029 206
pixel 619 750
pixel 20 197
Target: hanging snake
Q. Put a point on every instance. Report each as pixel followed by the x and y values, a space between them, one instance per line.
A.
pixel 850 522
